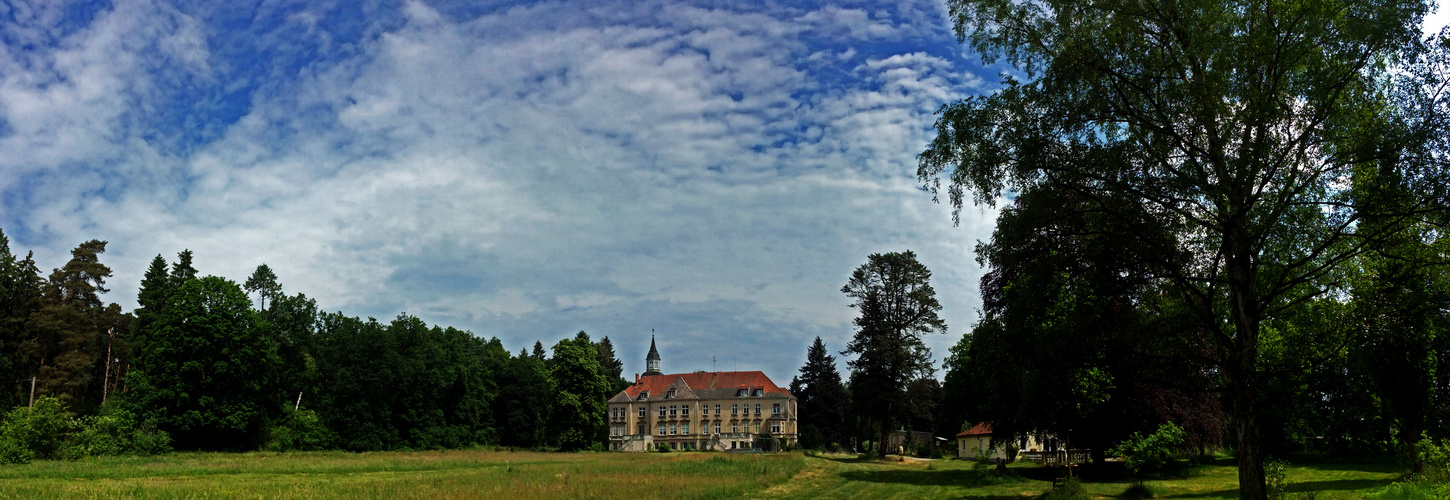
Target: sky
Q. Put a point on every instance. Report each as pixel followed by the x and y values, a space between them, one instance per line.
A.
pixel 707 171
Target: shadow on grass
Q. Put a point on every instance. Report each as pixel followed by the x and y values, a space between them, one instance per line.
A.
pixel 967 478
pixel 1305 487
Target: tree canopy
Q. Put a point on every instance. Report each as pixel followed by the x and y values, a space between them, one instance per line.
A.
pixel 1239 140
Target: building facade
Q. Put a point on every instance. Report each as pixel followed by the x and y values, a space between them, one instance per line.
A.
pixel 717 411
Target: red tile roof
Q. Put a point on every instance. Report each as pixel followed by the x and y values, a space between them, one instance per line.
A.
pixel 981 429
pixel 656 384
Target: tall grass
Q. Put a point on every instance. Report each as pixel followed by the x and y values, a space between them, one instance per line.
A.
pixel 430 475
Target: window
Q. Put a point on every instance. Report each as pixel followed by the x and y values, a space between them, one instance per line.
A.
pixel 775 409
pixel 672 410
pixel 740 393
pixel 641 412
pixel 685 411
pixel 757 408
pixel 735 409
pixel 672 429
pixel 705 410
pixel 670 394
pixel 759 392
pixel 775 428
pixel 734 428
pixel 717 409
pixel 717 427
pixel 684 428
pixel 662 429
pixel 643 395
pixel 662 411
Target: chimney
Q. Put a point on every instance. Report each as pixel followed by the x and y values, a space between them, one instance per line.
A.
pixel 636 378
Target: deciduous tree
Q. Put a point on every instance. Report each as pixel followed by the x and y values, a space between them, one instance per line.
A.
pixel 1240 128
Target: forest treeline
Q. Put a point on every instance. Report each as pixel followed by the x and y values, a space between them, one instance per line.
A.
pixel 200 365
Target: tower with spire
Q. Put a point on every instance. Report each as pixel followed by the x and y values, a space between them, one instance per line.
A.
pixel 652 360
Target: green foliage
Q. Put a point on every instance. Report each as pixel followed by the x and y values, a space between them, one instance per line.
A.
pixel 1151 454
pixel 21 289
pixel 301 430
pixel 1276 480
pixel 578 411
pixel 201 374
pixel 896 304
pixel 821 398
pixel 1071 489
pixel 663 448
pixel 37 432
pixel 1157 115
pixel 115 431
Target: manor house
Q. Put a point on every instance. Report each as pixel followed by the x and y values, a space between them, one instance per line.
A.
pixel 700 411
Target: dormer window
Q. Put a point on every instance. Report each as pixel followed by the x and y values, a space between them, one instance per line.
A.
pixel 670 394
pixel 643 395
pixel 740 393
pixel 759 392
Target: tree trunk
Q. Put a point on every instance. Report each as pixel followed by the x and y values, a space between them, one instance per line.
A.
pixel 1241 361
pixel 1250 456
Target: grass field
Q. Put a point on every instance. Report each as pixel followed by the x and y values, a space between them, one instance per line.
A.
pixel 528 475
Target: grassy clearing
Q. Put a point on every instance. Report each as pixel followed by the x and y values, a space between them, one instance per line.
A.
pixel 529 476
pixel 430 475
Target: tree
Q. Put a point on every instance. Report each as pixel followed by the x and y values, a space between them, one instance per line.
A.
pixel 21 289
pixel 897 305
pixel 263 282
pixel 524 396
pixel 577 412
pixel 821 398
pixel 201 373
pixel 73 329
pixel 1240 129
pixel 610 367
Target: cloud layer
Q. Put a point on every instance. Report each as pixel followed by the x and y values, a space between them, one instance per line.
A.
pixel 523 171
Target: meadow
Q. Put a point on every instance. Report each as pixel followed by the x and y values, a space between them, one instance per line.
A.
pixel 440 475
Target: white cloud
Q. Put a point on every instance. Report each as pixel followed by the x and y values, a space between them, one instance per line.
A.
pixel 532 172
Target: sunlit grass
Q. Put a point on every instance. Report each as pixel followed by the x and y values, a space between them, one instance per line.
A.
pixel 438 475
pixel 431 475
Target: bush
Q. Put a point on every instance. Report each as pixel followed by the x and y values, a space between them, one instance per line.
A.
pixel 926 450
pixel 301 431
pixel 1276 479
pixel 39 432
pixel 116 431
pixel 1070 490
pixel 662 447
pixel 1151 454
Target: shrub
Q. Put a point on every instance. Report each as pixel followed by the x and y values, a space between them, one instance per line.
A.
pixel 1070 490
pixel 116 431
pixel 301 431
pixel 38 432
pixel 662 447
pixel 1276 479
pixel 1151 454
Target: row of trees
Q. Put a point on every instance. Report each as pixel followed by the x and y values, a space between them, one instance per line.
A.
pixel 1224 198
pixel 202 362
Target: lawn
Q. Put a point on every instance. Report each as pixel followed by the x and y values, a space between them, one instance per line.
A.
pixel 441 475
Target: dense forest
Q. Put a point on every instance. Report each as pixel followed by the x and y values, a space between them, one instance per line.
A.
pixel 201 365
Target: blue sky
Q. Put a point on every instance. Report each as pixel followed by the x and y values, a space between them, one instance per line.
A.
pixel 709 170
